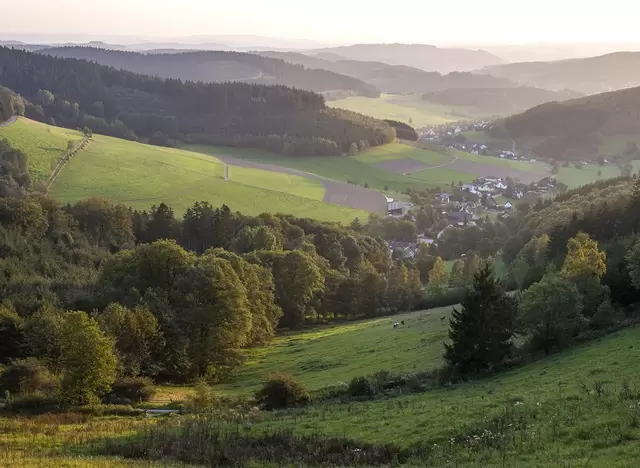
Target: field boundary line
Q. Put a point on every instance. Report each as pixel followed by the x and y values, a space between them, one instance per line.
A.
pixel 66 158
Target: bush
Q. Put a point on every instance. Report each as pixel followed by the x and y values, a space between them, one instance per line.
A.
pixel 135 390
pixel 203 399
pixel 282 391
pixel 361 387
pixel 27 376
pixel 32 403
pixel 604 317
pixel 449 297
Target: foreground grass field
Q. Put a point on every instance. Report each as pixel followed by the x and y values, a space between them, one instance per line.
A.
pixel 318 356
pixel 576 408
pixel 44 144
pixel 409 109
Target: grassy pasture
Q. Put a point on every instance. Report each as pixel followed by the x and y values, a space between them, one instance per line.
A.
pixel 589 173
pixel 361 169
pixel 44 144
pixel 318 356
pixel 142 175
pixel 575 405
pixel 409 109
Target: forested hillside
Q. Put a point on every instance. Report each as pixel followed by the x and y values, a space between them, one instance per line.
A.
pixel 422 56
pixel 218 66
pixel 608 211
pixel 574 129
pixel 395 78
pixel 76 94
pixel 498 100
pixel 586 75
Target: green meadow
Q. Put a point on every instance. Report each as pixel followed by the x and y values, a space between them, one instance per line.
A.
pixel 410 109
pixel 45 144
pixel 318 356
pixel 142 175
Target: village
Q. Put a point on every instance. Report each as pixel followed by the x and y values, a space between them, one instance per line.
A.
pixel 466 205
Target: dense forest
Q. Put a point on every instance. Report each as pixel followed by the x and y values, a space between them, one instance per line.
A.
pixel 573 129
pixel 395 79
pixel 218 66
pixel 498 100
pixel 76 94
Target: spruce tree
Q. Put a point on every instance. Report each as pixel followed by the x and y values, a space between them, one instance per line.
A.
pixel 481 331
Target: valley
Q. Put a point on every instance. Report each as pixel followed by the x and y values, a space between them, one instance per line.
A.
pixel 363 248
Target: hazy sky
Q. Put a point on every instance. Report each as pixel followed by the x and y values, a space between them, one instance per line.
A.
pixel 338 21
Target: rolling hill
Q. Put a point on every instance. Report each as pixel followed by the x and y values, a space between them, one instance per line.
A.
pixel 394 78
pixel 218 66
pixel 498 101
pixel 140 175
pixel 76 93
pixel 577 128
pixel 422 56
pixel 587 75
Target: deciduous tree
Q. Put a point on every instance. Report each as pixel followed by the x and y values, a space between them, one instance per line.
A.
pixel 551 312
pixel 438 278
pixel 88 363
pixel 584 259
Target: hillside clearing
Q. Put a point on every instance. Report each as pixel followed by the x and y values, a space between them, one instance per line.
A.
pixel 411 109
pixel 318 356
pixel 45 144
pixel 574 177
pixel 141 175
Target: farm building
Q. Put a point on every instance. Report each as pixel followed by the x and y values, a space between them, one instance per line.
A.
pixel 397 208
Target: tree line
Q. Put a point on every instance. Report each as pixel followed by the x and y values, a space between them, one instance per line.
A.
pixel 76 94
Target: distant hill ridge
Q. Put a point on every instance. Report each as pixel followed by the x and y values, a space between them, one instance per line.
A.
pixel 218 66
pixel 422 56
pixel 393 79
pixel 499 100
pixel 590 75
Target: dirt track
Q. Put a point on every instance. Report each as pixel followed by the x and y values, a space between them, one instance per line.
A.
pixel 336 193
pixel 11 121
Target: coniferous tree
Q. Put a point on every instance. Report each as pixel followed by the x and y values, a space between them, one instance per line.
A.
pixel 482 329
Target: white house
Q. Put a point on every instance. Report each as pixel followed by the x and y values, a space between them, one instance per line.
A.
pixel 508 205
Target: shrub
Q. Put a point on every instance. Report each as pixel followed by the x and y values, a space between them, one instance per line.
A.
pixel 604 316
pixel 134 389
pixel 361 387
pixel 282 391
pixel 203 399
pixel 27 376
pixel 32 403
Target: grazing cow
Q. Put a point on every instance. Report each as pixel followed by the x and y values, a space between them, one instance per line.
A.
pixel 442 317
pixel 396 325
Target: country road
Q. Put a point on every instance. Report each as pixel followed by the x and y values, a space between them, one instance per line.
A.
pixel 11 121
